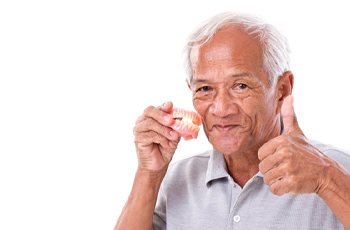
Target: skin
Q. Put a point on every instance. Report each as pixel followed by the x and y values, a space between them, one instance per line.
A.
pixel 241 114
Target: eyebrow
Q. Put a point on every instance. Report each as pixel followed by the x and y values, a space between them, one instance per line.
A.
pixel 244 74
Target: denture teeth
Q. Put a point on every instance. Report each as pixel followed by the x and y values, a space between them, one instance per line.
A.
pixel 186 123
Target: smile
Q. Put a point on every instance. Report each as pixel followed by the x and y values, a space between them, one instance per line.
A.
pixel 224 128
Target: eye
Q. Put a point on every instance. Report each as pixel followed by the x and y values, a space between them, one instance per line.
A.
pixel 204 89
pixel 242 86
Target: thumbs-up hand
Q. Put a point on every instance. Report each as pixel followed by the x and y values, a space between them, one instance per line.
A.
pixel 290 164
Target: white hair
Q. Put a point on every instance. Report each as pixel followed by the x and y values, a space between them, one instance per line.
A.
pixel 274 45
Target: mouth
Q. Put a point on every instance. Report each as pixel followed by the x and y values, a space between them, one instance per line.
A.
pixel 186 123
pixel 223 128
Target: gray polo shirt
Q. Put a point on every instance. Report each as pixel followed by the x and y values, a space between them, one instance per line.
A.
pixel 198 193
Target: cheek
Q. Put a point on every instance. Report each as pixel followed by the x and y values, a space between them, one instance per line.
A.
pixel 250 107
pixel 200 106
pixel 264 119
pixel 257 112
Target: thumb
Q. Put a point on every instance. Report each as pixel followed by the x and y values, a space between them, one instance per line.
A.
pixel 289 118
pixel 166 106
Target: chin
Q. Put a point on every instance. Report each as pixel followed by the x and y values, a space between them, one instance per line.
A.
pixel 227 145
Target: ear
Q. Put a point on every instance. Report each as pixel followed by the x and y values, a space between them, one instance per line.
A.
pixel 284 87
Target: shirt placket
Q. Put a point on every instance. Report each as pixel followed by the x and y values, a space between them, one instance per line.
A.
pixel 238 195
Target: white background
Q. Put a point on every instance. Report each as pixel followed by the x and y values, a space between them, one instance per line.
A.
pixel 75 75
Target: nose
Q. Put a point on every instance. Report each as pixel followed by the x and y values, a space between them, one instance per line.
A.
pixel 223 105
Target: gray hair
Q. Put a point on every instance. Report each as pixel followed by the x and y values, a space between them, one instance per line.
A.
pixel 274 45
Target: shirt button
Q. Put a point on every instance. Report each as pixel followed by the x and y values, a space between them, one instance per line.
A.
pixel 236 218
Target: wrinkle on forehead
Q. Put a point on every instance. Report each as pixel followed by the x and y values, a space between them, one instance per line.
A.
pixel 229 48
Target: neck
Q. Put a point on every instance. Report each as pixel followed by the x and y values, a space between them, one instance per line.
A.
pixel 242 167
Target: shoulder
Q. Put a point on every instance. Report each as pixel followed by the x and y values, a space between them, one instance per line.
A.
pixel 196 163
pixel 188 171
pixel 337 154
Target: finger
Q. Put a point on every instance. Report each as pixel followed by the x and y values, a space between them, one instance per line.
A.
pixel 150 124
pixel 273 176
pixel 281 186
pixel 276 176
pixel 281 155
pixel 271 162
pixel 289 118
pixel 146 138
pixel 269 148
pixel 163 117
pixel 166 107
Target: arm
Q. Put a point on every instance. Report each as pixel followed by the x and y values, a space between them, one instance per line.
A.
pixel 291 164
pixel 336 193
pixel 138 211
pixel 155 145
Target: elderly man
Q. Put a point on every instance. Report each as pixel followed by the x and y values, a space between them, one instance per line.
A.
pixel 262 172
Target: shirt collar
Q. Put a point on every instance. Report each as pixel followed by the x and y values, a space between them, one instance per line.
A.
pixel 259 174
pixel 216 167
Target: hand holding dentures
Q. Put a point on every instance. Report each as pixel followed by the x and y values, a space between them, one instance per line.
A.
pixel 157 133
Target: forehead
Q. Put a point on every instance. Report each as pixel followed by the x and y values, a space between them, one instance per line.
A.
pixel 230 47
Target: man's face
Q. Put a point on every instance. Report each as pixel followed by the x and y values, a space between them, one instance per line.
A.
pixel 231 92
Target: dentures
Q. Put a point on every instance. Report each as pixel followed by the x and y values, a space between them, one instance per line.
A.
pixel 186 123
